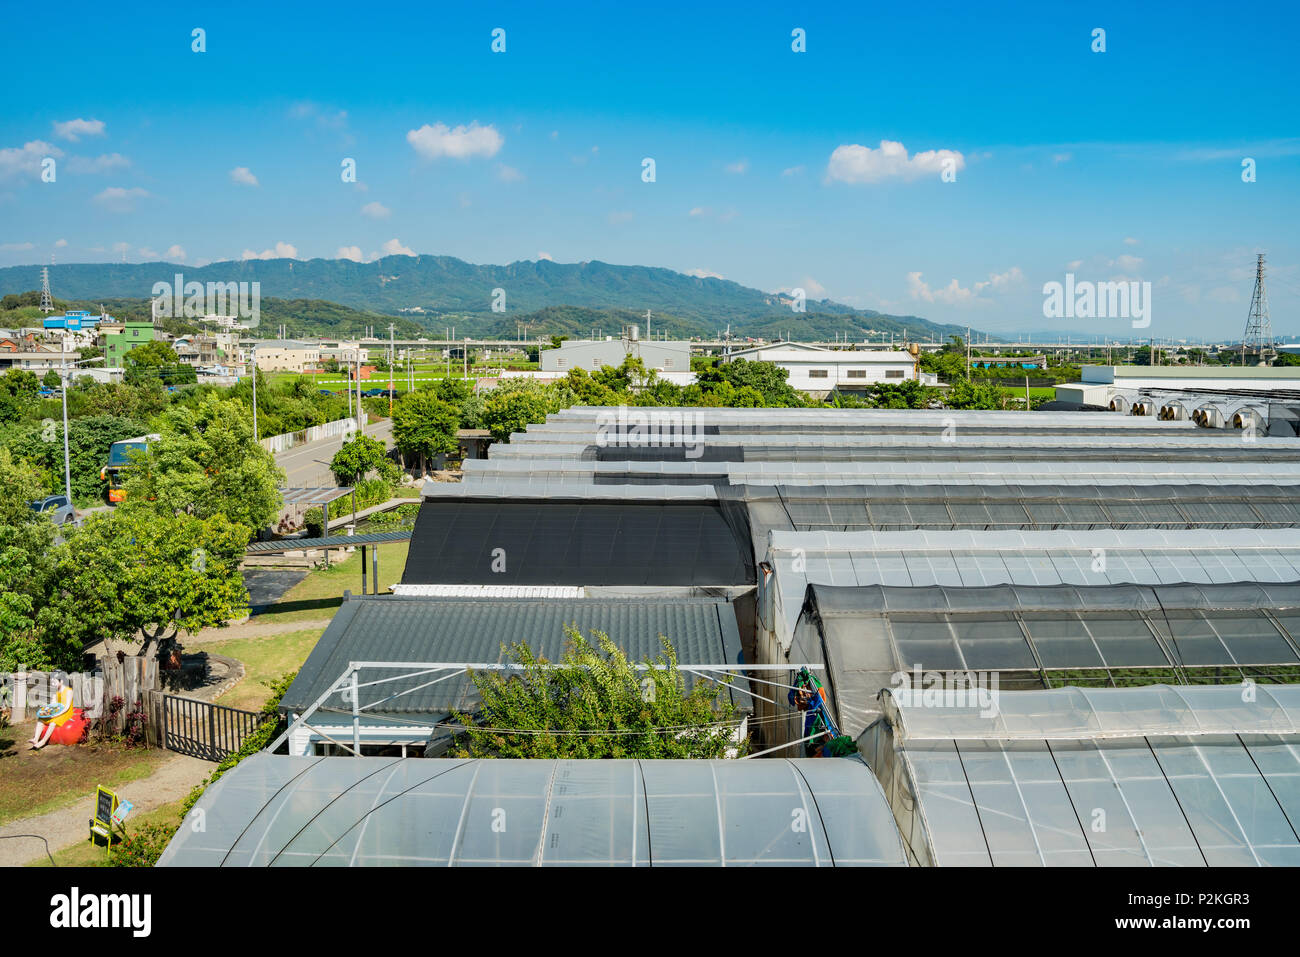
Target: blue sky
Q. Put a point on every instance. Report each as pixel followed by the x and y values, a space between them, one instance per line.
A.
pixel 770 168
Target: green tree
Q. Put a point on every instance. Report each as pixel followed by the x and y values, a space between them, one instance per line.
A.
pixel 25 566
pixel 141 575
pixel 18 393
pixel 595 703
pixel 360 456
pixel 511 412
pixel 425 425
pixel 206 463
pixel 89 439
pixel 52 380
pixel 967 395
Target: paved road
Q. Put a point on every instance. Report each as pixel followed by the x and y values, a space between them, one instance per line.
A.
pixel 308 466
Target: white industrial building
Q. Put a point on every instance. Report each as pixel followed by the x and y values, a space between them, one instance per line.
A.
pixel 822 371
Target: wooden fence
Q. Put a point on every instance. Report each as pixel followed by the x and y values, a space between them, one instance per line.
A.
pixel 130 680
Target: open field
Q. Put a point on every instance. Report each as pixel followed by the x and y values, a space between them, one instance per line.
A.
pixel 265 657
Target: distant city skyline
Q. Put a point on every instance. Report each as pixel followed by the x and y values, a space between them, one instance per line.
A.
pixel 822 169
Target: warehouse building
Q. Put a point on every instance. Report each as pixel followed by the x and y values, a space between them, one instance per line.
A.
pixel 592 354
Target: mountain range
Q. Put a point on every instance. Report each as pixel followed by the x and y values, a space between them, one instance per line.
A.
pixel 551 297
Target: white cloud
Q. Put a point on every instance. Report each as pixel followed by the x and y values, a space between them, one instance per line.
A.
pixel 243 176
pixel 861 164
pixel 1127 263
pixel 100 164
pixel 699 211
pixel 151 254
pixel 1074 264
pixel 1130 241
pixel 954 293
pixel 282 250
pixel 175 253
pixel 547 257
pixel 1224 294
pixel 59 244
pixel 508 174
pixel 792 171
pixel 15 160
pixel 121 248
pixel 117 199
pixel 463 142
pixel 555 134
pixel 1059 158
pixel 703 274
pixel 739 167
pixel 999 280
pixel 394 248
pixel 73 130
pixel 620 216
pixel 350 252
pixel 16 247
pixel 376 211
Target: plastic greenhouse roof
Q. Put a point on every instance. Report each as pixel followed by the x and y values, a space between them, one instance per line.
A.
pixel 868 635
pixel 981 472
pixel 1186 776
pixel 1066 713
pixel 275 810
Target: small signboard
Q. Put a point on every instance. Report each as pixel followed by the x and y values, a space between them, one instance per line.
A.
pixel 105 805
pixel 101 825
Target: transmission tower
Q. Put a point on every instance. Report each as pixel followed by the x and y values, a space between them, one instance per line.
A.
pixel 47 301
pixel 1259 328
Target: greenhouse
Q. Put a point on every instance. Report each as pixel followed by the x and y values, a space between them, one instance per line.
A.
pixel 273 810
pixel 1154 776
pixel 1036 637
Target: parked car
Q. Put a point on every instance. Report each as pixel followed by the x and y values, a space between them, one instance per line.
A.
pixel 57 508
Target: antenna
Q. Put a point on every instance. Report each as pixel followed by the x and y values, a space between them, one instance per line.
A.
pixel 1259 328
pixel 47 301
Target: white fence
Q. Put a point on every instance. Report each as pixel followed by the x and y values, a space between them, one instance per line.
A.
pixel 289 440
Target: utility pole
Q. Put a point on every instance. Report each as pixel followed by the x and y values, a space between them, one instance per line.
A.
pixel 253 354
pixel 392 357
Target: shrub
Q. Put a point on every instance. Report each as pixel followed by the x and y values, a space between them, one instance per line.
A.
pixel 314 520
pixel 143 846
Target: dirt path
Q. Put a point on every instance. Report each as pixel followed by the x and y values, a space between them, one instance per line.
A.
pixel 252 628
pixel 172 781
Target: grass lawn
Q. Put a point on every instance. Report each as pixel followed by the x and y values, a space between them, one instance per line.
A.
pixel 86 854
pixel 321 592
pixel 264 658
pixel 34 782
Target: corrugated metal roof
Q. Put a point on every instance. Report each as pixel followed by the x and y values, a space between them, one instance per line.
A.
pixel 334 541
pixel 473 630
